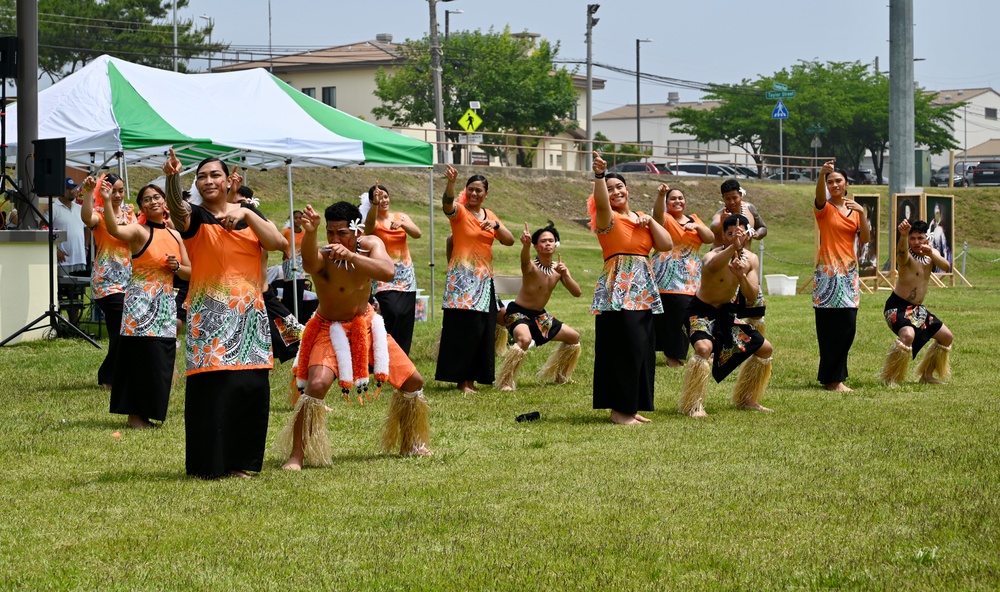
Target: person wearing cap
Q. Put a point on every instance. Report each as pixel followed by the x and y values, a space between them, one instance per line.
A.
pixel 72 252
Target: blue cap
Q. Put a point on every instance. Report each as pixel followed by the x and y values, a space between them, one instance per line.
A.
pixel 70 183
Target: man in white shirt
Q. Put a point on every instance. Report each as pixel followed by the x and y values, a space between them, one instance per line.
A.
pixel 71 253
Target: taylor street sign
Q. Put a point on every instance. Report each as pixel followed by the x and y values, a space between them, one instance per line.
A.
pixel 780 94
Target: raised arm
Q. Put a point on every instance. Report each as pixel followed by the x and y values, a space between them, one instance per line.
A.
pixel 374 201
pixel 448 199
pixel 87 213
pixel 903 245
pixel 312 261
pixel 745 268
pixel 939 261
pixel 601 199
pixel 526 265
pixel 661 238
pixel 180 210
pixel 660 205
pixel 820 200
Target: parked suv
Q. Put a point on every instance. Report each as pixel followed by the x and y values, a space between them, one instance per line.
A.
pixel 986 172
pixel 702 169
pixel 650 168
pixel 961 177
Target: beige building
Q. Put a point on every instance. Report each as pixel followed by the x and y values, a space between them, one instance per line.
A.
pixel 344 77
pixel 977 126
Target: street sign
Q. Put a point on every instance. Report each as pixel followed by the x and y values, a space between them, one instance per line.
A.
pixel 780 94
pixel 779 86
pixel 470 139
pixel 815 129
pixel 470 121
pixel 780 111
pixel 816 143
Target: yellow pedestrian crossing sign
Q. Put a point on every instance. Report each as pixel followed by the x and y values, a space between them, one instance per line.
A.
pixel 470 121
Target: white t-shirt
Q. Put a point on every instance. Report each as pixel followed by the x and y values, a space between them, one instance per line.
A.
pixel 68 218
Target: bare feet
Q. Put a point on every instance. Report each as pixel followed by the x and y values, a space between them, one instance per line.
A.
pixel 421 450
pixel 641 418
pixel 674 363
pixel 467 387
pixel 293 464
pixel 930 380
pixel 139 423
pixel 754 407
pixel 506 387
pixel 839 387
pixel 106 386
pixel 624 418
pixel 239 474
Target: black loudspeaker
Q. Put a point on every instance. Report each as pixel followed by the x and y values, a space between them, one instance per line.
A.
pixel 50 166
pixel 8 57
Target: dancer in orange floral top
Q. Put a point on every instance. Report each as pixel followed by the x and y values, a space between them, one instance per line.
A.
pixel 625 299
pixel 836 289
pixel 468 326
pixel 677 272
pixel 397 300
pixel 227 395
pixel 112 264
pixel 145 365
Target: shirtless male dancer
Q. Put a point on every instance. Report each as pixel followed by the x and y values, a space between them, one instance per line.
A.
pixel 750 307
pixel 526 319
pixel 906 314
pixel 721 341
pixel 344 338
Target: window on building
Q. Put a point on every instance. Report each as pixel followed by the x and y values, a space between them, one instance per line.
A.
pixel 330 95
pixel 991 114
pixel 309 92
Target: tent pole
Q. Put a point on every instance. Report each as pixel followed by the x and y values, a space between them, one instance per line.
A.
pixel 123 173
pixel 291 220
pixel 432 302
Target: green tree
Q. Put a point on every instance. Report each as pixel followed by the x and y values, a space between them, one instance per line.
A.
pixel 71 33
pixel 509 75
pixel 849 99
pixel 617 153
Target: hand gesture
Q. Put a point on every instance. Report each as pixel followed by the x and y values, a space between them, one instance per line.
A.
pixel 923 249
pixel 850 204
pixel 904 227
pixel 644 221
pixel 88 185
pixel 828 167
pixel 600 165
pixel 338 252
pixel 740 238
pixel 235 182
pixel 378 195
pixel 450 173
pixel 231 218
pixel 173 263
pixel 105 189
pixel 490 225
pixel 526 235
pixel 310 219
pixel 561 268
pixel 172 166
pixel 739 266
pixel 663 190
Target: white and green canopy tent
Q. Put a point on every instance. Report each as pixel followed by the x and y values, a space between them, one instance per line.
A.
pixel 116 109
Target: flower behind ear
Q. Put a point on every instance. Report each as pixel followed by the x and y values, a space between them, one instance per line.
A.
pixel 356 226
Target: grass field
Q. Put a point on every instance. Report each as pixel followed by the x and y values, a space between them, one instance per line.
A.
pixel 876 489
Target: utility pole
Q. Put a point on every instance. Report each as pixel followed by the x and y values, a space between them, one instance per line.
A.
pixel 638 101
pixel 591 21
pixel 436 73
pixel 901 113
pixel 175 35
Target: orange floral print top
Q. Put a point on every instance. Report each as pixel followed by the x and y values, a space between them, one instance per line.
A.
pixel 150 309
pixel 837 284
pixel 469 277
pixel 678 271
pixel 626 282
pixel 112 261
pixel 396 246
pixel 227 326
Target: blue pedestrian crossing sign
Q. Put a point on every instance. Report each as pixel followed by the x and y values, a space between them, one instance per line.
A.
pixel 780 111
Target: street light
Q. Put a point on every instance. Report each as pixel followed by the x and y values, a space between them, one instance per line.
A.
pixel 447 20
pixel 638 103
pixel 211 25
pixel 436 73
pixel 591 21
pixel 175 35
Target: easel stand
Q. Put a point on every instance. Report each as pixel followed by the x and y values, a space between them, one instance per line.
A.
pixel 55 320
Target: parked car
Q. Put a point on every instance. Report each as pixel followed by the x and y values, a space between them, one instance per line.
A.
pixel 649 168
pixel 792 177
pixel 941 177
pixel 865 177
pixel 986 172
pixel 747 171
pixel 702 169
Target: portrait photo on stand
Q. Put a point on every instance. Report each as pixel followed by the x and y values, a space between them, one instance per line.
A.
pixel 941 228
pixel 868 253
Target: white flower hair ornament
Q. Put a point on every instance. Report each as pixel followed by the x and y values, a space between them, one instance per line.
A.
pixel 557 244
pixel 255 202
pixel 743 192
pixel 356 227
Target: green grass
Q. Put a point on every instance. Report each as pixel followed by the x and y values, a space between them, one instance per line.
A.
pixel 877 489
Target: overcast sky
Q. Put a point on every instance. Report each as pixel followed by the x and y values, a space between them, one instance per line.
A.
pixel 720 41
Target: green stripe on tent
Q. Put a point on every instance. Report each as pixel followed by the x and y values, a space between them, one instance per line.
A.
pixel 380 146
pixel 141 126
